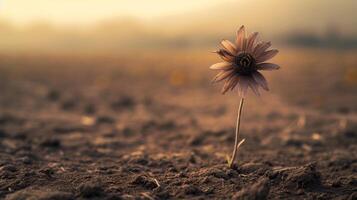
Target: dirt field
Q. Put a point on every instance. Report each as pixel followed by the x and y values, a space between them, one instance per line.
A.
pixel 149 126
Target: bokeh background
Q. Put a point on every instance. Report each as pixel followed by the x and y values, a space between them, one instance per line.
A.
pixel 170 42
pixel 92 25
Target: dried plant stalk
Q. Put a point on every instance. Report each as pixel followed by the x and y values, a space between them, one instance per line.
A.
pixel 236 144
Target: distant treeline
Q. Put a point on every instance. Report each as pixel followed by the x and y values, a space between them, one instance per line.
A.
pixel 125 35
pixel 330 40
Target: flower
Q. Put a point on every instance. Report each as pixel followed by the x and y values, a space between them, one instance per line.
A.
pixel 242 62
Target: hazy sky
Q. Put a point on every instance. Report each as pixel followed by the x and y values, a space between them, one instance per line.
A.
pixel 268 15
pixel 87 11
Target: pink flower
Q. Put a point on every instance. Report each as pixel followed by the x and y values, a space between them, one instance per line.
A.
pixel 242 62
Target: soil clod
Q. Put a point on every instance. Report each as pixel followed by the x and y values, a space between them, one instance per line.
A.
pixel 51 142
pixel 91 189
pixel 43 194
pixel 305 177
pixel 146 182
pixel 257 191
pixel 191 190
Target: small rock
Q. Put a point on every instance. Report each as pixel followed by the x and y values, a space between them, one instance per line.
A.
pixel 196 140
pixel 208 190
pixel 51 142
pixel 181 175
pixel 192 159
pixel 257 191
pixel 191 190
pixel 53 95
pixel 90 109
pixel 125 102
pixel 232 173
pixel 336 184
pixel 172 169
pixel 350 131
pixel 350 134
pixel 140 160
pixel 293 142
pixel 343 110
pixel 69 105
pixel 219 174
pixel 352 181
pixel 26 160
pixel 162 193
pixel 47 171
pixel 91 189
pixel 145 182
pixel 105 120
pixel 8 168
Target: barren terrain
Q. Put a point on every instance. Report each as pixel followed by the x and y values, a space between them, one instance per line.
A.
pixel 151 126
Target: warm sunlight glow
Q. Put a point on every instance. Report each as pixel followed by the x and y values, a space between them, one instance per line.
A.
pixel 87 11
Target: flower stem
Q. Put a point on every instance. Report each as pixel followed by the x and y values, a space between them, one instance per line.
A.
pixel 236 144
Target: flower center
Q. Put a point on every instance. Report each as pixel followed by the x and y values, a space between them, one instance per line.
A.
pixel 245 63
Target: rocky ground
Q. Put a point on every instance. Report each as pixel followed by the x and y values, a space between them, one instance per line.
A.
pixel 100 133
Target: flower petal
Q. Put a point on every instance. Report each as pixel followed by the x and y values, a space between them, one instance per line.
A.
pixel 222 75
pixel 251 41
pixel 225 55
pixel 240 38
pixel 267 66
pixel 227 84
pixel 261 48
pixel 243 84
pixel 259 78
pixel 258 46
pixel 225 88
pixel 229 46
pixel 230 84
pixel 222 66
pixel 234 82
pixel 267 55
pixel 254 86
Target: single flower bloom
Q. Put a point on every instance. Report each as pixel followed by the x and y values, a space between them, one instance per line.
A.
pixel 242 62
